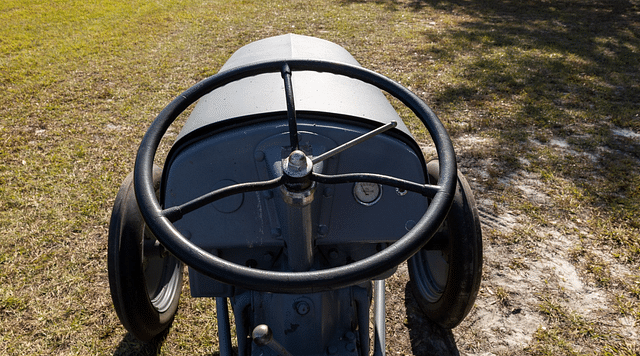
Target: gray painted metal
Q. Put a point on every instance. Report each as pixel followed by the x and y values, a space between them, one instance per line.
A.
pixel 314 92
pixel 224 327
pixel 379 328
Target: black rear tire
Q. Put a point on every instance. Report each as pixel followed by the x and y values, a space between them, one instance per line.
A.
pixel 145 281
pixel 445 282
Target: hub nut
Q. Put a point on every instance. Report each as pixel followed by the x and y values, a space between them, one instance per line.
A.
pixel 297 165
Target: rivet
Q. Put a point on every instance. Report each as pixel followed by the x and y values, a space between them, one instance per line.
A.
pixel 409 225
pixel 323 230
pixel 351 347
pixel 258 156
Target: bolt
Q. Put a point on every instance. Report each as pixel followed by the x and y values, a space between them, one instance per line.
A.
pixel 251 263
pixel 332 350
pixel 163 251
pixel 302 308
pixel 297 165
pixel 328 192
pixel 350 336
pixel 333 254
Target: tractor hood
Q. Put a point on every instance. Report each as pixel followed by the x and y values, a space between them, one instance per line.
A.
pixel 314 92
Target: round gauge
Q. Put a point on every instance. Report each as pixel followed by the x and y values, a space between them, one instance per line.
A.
pixel 367 193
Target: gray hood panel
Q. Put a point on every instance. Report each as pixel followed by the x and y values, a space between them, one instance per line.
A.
pixel 313 91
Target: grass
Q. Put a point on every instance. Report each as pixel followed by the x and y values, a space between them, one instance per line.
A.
pixel 81 81
pixel 570 329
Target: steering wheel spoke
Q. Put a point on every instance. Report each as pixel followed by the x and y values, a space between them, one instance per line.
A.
pixel 427 190
pixel 285 71
pixel 176 213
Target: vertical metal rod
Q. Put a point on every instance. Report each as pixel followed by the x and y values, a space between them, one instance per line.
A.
pixel 363 299
pixel 224 327
pixel 379 318
pixel 240 304
pixel 291 107
pixel 300 235
pixel 299 238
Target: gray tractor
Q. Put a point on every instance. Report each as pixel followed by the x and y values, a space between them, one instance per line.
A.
pixel 291 192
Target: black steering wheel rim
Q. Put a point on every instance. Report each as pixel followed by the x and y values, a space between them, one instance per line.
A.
pixel 293 282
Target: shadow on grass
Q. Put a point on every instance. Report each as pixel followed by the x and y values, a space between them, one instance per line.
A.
pixel 427 338
pixel 544 56
pixel 531 71
pixel 130 346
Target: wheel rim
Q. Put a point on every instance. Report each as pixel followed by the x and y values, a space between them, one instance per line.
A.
pixel 162 279
pixel 432 271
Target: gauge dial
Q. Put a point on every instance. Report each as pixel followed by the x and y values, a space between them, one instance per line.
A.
pixel 367 193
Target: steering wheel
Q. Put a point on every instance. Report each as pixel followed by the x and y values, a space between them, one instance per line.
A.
pixel 160 221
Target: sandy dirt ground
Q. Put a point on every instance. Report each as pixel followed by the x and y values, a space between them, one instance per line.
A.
pixel 517 279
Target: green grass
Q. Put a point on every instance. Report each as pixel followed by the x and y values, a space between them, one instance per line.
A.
pixel 81 81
